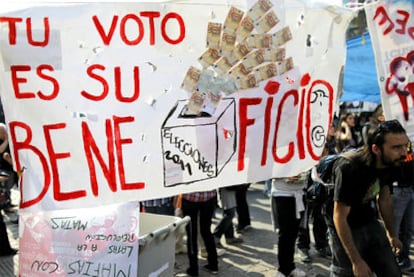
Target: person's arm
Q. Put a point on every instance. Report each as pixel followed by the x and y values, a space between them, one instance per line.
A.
pixel 386 210
pixel 4 145
pixel 340 215
pixel 7 157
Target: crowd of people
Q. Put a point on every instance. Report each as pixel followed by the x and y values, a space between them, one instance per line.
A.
pixel 369 217
pixel 366 227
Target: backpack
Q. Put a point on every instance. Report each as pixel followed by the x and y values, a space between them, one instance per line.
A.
pixel 315 192
pixel 319 180
pixel 324 169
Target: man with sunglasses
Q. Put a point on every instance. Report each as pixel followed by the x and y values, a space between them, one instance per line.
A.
pixel 362 232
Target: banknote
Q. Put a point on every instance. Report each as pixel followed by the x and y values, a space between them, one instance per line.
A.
pixel 209 57
pixel 253 59
pixel 285 65
pixel 274 54
pixel 232 20
pixel 238 70
pixel 191 78
pixel 211 102
pixel 246 82
pixel 281 37
pixel 267 22
pixel 266 71
pixel 245 28
pixel 227 44
pixel 195 103
pixel 213 35
pixel 260 41
pixel 222 66
pixel 240 51
pixel 259 9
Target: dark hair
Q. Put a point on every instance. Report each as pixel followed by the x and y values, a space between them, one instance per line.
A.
pixel 376 135
pixel 344 116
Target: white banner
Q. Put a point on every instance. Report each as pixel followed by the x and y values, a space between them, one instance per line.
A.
pixel 80 242
pixel 391 27
pixel 111 102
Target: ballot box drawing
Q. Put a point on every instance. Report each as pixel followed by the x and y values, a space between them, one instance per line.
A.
pixel 197 147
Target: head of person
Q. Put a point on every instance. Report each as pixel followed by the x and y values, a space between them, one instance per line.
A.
pixel 348 119
pixel 388 143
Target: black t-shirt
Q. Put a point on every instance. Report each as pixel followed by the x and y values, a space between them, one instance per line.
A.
pixel 404 174
pixel 357 185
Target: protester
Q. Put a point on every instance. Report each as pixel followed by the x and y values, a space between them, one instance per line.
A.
pixel 314 200
pixel 331 143
pixel 287 204
pixel 368 124
pixel 360 245
pixel 374 118
pixel 267 187
pixel 7 180
pixel 202 249
pixel 195 205
pixel 403 202
pixel 6 170
pixel 346 134
pixel 225 225
pixel 5 247
pixel 242 208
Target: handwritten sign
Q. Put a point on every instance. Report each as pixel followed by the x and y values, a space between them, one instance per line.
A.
pixel 111 102
pixel 392 32
pixel 80 242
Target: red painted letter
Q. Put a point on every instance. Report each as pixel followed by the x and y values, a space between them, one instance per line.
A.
pixel 25 145
pixel 106 37
pixel 140 30
pixel 290 153
pixel 53 156
pixel 12 27
pixel 30 33
pixel 151 16
pixel 99 78
pixel 14 69
pixel 180 24
pixel 119 141
pixel 118 86
pixel 244 122
pixel 90 146
pixel 55 91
